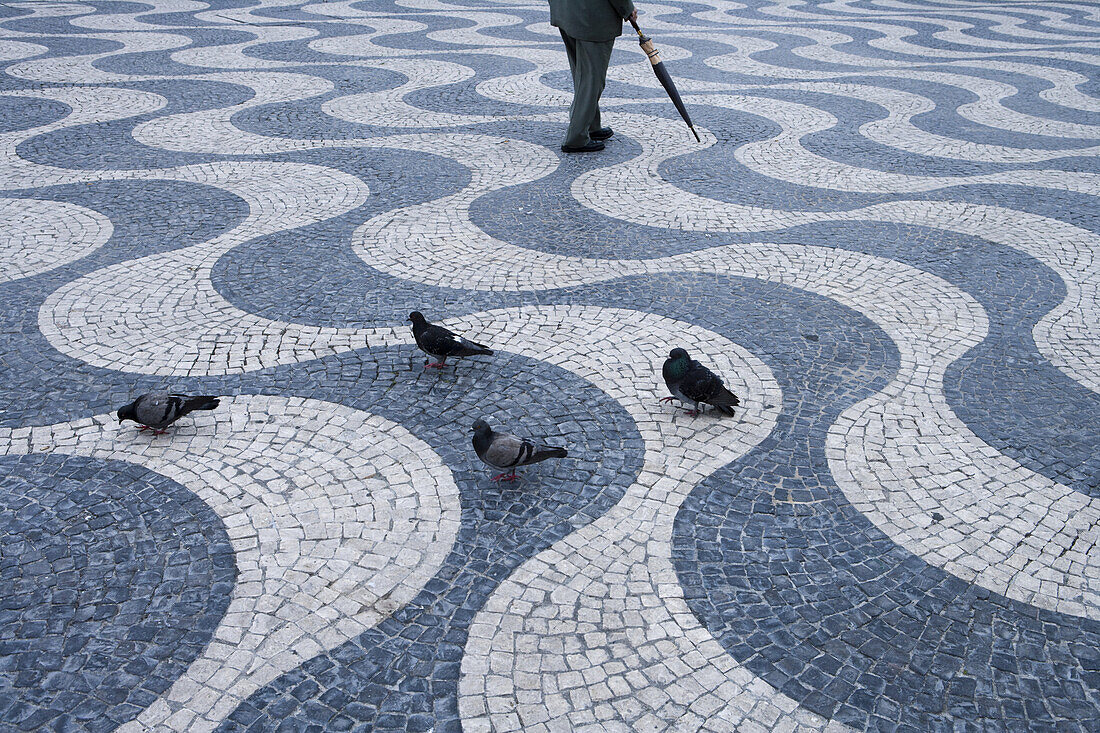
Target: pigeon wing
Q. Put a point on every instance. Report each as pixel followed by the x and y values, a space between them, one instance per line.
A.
pixel 507 451
pixel 156 409
pixel 186 404
pixel 702 385
pixel 439 341
pixel 699 383
pixel 466 347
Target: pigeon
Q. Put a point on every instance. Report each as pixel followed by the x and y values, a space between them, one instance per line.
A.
pixel 504 450
pixel 157 410
pixel 440 342
pixel 690 381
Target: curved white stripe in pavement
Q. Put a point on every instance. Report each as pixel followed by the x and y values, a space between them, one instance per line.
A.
pixel 104 105
pixel 80 69
pixel 529 87
pixel 976 9
pixel 212 130
pixel 53 9
pixel 160 314
pixel 38 235
pixel 337 518
pixel 1064 83
pixel 206 131
pixel 615 575
pixel 348 10
pixel 14 50
pixel 955 33
pixel 475 36
pixel 235 17
pixel 897 130
pixel 902 455
pixel 987 109
pixel 132 21
pixel 366 45
pixel 959 34
pixel 783 156
pixel 741 60
pixel 821 51
pixel 1011 25
pixel 234 56
pixel 388 108
pixel 1069 336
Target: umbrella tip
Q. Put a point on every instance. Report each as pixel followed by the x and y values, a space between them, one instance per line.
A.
pixel 696 134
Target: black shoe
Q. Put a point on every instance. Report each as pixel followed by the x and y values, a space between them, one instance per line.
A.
pixel 601 134
pixel 591 147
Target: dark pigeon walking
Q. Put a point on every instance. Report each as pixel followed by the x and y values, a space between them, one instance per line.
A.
pixel 157 410
pixel 690 381
pixel 507 451
pixel 440 342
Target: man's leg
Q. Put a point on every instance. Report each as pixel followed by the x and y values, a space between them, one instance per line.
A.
pixel 589 77
pixel 571 54
pixel 595 125
pixel 600 56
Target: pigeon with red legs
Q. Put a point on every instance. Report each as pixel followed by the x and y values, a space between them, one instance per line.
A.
pixel 157 410
pixel 507 451
pixel 690 381
pixel 440 342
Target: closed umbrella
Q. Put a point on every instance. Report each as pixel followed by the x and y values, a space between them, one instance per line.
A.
pixel 662 75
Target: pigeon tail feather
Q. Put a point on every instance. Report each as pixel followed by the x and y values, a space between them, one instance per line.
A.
pixel 543 453
pixel 203 402
pixel 725 401
pixel 470 348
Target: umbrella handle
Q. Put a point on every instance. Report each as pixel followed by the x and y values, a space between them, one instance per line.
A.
pixel 647 44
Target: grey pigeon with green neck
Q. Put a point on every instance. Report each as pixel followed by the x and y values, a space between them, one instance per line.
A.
pixel 690 381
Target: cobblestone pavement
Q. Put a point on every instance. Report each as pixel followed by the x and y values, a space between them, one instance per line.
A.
pixel 888 243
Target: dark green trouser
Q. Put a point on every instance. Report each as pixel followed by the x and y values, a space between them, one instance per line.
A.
pixel 588 61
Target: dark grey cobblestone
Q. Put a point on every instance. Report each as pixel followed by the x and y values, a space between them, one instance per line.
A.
pixel 112 580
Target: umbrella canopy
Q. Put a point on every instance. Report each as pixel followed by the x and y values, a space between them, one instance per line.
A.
pixel 662 76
